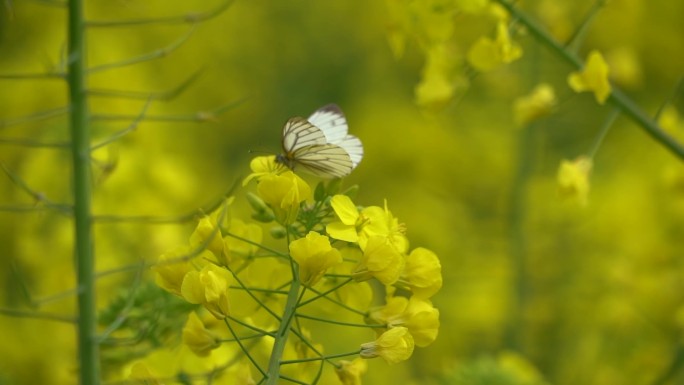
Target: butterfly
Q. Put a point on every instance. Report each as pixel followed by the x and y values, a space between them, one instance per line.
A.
pixel 320 144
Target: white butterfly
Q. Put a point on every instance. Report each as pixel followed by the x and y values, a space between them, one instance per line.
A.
pixel 320 144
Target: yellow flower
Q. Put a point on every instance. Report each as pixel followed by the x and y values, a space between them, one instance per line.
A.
pixel 283 193
pixel 417 315
pixel 314 255
pixel 573 179
pixel 594 77
pixel 198 338
pixel 382 222
pixel 262 166
pixel 536 105
pixel 487 54
pixel 422 273
pixel 171 269
pixel 207 234
pixel 346 229
pixel 358 227
pixel 350 372
pixel 380 260
pixel 208 287
pixel 438 83
pixel 394 345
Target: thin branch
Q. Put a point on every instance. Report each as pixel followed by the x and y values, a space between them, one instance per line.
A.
pixel 163 95
pixel 350 324
pixel 338 303
pixel 131 127
pixel 34 76
pixel 243 348
pixel 607 124
pixel 189 18
pixel 38 116
pixel 327 357
pixel 37 196
pixel 677 89
pixel 23 286
pixel 130 301
pixel 576 39
pixel 23 208
pixel 25 142
pixel 37 315
pixel 160 53
pixel 199 116
pixel 325 293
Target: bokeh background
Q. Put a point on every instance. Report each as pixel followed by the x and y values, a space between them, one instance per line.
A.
pixel 536 287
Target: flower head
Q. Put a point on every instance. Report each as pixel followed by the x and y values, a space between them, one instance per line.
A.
pixel 358 227
pixel 314 255
pixel 350 372
pixel 381 260
pixel 438 82
pixel 283 193
pixel 487 54
pixel 171 269
pixel 417 315
pixel 381 222
pixel 208 287
pixel 394 345
pixel 207 234
pixel 262 166
pixel 350 221
pixel 594 77
pixel 573 179
pixel 422 273
pixel 198 338
pixel 534 106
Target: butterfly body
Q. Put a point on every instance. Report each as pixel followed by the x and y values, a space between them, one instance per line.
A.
pixel 320 144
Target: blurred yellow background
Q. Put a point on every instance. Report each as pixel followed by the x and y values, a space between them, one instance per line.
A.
pixel 586 294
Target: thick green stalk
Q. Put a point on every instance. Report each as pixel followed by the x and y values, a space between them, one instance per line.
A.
pixel 283 331
pixel 617 97
pixel 88 352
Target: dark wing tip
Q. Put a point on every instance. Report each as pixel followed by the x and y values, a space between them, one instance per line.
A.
pixel 332 107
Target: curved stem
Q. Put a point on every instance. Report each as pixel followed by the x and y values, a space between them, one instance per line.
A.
pixel 617 97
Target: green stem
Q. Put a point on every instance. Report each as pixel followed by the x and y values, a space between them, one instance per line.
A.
pixel 329 321
pixel 88 351
pixel 284 330
pixel 604 131
pixel 617 97
pixel 518 241
pixel 329 357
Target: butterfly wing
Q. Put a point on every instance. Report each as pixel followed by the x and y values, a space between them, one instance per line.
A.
pixel 352 145
pixel 299 133
pixel 330 119
pixel 320 144
pixel 325 161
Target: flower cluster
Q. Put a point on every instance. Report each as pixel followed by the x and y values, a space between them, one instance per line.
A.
pixel 267 303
